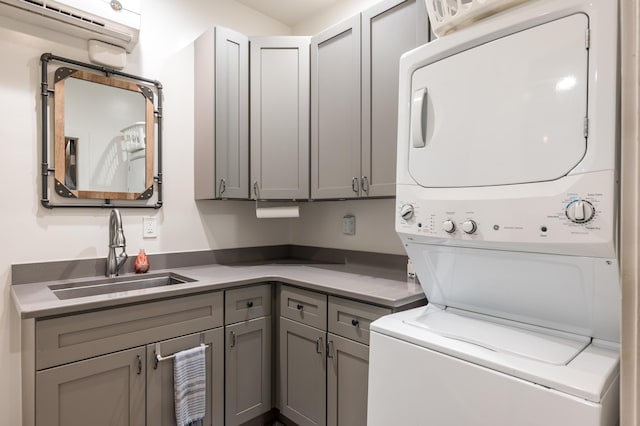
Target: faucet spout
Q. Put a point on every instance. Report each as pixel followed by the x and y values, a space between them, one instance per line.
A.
pixel 116 241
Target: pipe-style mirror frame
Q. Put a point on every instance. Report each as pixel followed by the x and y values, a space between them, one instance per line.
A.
pixel 153 119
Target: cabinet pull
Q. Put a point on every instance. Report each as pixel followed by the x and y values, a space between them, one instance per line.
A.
pixel 222 187
pixel 233 339
pixel 354 184
pixel 256 190
pixel 355 322
pixel 319 345
pixel 250 304
pixel 139 364
pixel 364 183
pixel 299 307
pixel 330 349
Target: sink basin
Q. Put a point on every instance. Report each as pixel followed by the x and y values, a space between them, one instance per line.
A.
pixel 116 285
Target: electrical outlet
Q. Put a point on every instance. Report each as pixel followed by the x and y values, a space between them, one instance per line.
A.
pixel 349 225
pixel 149 227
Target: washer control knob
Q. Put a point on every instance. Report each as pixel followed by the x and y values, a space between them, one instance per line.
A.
pixel 469 226
pixel 406 211
pixel 448 226
pixel 580 211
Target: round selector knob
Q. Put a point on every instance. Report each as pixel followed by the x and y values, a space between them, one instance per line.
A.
pixel 406 211
pixel 448 226
pixel 580 211
pixel 469 226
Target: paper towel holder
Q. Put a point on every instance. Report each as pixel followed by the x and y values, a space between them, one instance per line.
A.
pixel 273 212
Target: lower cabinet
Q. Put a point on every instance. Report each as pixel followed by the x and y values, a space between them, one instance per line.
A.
pixel 107 390
pixel 303 370
pixel 347 380
pixel 159 378
pixel 248 370
pixel 324 357
pixel 248 348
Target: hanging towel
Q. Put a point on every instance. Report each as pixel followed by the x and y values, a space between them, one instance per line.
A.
pixel 190 386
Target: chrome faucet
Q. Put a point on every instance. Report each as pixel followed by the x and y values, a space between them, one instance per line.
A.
pixel 116 240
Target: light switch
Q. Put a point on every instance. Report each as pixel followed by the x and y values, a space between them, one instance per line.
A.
pixel 349 225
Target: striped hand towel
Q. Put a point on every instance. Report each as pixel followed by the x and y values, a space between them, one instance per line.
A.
pixel 190 386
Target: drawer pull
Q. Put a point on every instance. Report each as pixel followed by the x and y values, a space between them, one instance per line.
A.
pixel 250 304
pixel 299 307
pixel 355 322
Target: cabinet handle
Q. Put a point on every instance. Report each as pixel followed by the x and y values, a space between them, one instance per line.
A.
pixel 330 349
pixel 139 364
pixel 233 339
pixel 256 190
pixel 299 307
pixel 364 183
pixel 319 345
pixel 250 304
pixel 355 322
pixel 354 184
pixel 222 187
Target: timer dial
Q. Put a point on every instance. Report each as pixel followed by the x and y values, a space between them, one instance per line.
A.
pixel 406 211
pixel 580 211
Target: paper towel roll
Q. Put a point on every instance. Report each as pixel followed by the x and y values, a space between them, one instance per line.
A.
pixel 277 212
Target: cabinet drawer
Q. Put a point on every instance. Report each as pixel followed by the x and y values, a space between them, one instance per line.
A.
pixel 75 337
pixel 247 303
pixel 352 319
pixel 307 307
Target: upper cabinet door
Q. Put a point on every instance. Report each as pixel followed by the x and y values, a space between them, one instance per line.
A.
pixel 232 109
pixel 389 29
pixel 335 111
pixel 221 118
pixel 280 117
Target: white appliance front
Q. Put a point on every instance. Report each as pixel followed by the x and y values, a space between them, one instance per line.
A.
pixel 507 194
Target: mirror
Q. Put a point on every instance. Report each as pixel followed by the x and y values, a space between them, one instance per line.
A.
pixel 105 136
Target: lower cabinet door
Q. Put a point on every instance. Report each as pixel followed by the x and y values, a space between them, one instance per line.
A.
pixel 160 395
pixel 102 391
pixel 347 380
pixel 302 373
pixel 248 370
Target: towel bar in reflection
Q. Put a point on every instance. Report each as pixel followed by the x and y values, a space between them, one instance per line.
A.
pixel 158 356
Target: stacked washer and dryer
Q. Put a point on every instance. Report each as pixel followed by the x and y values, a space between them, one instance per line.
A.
pixel 507 204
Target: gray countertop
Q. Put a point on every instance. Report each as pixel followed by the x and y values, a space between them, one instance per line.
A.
pixel 364 283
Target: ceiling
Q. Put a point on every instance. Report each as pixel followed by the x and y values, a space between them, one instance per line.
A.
pixel 289 12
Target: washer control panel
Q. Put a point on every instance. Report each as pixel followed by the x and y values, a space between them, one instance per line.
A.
pixel 579 214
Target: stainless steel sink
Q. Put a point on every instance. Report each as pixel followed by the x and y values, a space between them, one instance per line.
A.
pixel 116 285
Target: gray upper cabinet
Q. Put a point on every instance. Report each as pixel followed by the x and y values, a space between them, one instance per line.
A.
pixel 335 111
pixel 279 117
pixel 221 116
pixel 353 108
pixel 104 391
pixel 389 29
pixel 160 386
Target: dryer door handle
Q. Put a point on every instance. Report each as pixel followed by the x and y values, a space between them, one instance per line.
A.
pixel 419 118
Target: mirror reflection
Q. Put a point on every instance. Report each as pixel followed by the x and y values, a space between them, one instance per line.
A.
pixel 103 136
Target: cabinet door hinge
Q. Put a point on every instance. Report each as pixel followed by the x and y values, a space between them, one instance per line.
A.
pixel 587 38
pixel 586 127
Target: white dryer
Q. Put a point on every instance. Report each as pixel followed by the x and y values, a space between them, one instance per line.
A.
pixel 507 200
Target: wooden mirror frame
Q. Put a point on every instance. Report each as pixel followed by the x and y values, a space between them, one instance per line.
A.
pixel 152 116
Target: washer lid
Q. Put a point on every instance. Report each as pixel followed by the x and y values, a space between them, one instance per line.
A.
pixel 509 111
pixel 549 347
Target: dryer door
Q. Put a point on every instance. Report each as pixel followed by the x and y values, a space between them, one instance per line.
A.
pixel 506 112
